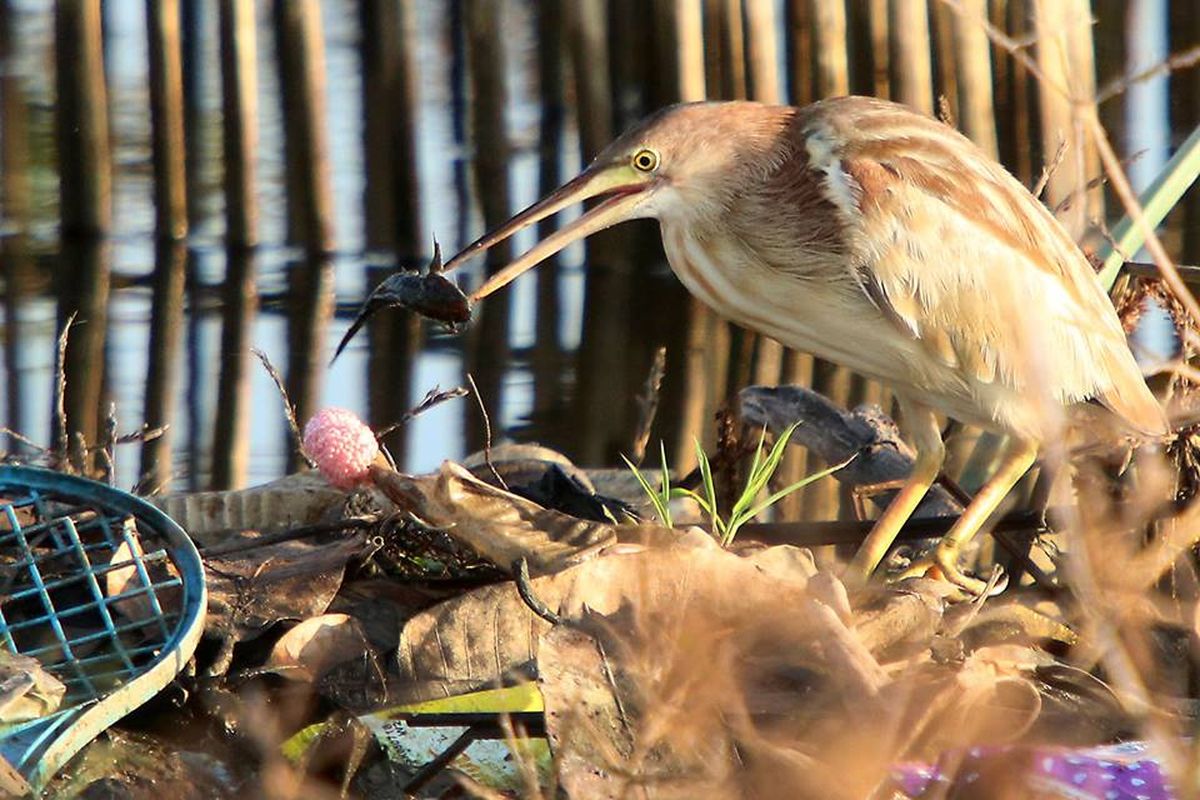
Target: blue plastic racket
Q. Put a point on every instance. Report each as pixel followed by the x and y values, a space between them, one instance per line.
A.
pixel 106 592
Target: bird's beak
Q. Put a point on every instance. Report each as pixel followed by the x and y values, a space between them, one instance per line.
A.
pixel 623 190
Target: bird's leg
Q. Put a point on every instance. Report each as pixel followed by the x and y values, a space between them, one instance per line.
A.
pixel 930 453
pixel 1017 460
pixel 864 492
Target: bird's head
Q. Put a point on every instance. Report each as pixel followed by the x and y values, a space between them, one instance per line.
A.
pixel 686 160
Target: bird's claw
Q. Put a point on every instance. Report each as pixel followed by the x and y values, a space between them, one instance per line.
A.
pixel 943 563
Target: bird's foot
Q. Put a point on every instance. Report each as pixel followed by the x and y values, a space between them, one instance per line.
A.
pixel 943 564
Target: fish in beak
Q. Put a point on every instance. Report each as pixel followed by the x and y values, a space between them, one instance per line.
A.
pixel 428 293
pixel 624 192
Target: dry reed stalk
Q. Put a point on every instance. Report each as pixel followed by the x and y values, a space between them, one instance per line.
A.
pixel 300 48
pixel 589 53
pixel 733 51
pixel 547 358
pixel 1081 51
pixel 762 50
pixel 392 194
pixel 391 198
pixel 239 120
pixel 689 27
pixel 81 120
pixel 693 73
pixel 1054 22
pixel 1111 51
pixel 800 54
pixel 231 429
pixel 829 43
pixel 602 404
pixel 1025 123
pixel 162 364
pixel 488 347
pixel 86 267
pixel 942 18
pixel 879 24
pixel 1185 29
pixel 166 114
pixel 973 61
pixel 912 70
pixel 704 360
pixel 16 186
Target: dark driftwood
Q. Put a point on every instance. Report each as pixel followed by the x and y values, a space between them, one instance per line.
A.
pixel 836 435
pixel 882 457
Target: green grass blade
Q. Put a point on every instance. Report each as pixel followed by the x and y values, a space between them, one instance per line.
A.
pixel 710 490
pixel 663 512
pixel 800 484
pixel 665 485
pixel 758 451
pixel 1157 201
pixel 762 471
pixel 696 496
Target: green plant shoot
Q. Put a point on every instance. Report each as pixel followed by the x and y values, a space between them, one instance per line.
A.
pixel 747 506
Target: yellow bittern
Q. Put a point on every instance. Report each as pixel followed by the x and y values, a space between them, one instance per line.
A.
pixel 874 237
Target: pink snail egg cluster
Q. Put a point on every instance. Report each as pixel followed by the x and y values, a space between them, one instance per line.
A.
pixel 342 445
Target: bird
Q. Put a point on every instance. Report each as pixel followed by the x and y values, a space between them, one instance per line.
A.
pixel 878 238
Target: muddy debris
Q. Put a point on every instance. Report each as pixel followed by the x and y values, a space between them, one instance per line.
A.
pixel 347 625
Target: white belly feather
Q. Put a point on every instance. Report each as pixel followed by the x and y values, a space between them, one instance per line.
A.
pixel 827 318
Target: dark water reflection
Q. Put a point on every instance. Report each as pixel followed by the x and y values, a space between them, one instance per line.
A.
pixel 162 326
pixel 164 329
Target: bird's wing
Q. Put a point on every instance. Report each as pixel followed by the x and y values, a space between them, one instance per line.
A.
pixel 963 259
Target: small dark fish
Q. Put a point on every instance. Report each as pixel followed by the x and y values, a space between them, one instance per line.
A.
pixel 430 294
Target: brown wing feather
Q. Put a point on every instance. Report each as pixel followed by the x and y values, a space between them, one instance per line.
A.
pixel 963 258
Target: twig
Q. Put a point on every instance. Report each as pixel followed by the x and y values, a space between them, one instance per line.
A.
pixel 487 434
pixel 520 569
pixel 434 397
pixel 1188 58
pixel 291 534
pixel 107 439
pixel 647 403
pixel 77 453
pixel 1099 180
pixel 944 113
pixel 23 439
pixel 145 434
pixel 1051 166
pixel 1128 198
pixel 62 441
pixel 289 410
pixel 1014 47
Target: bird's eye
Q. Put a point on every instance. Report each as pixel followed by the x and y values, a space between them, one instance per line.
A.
pixel 645 160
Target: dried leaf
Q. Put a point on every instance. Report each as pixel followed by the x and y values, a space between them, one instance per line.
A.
pixel 127 579
pixel 253 589
pixel 311 649
pixel 584 721
pixel 469 642
pixel 27 690
pixel 502 527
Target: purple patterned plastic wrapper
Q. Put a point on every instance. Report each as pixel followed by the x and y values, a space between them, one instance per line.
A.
pixel 1116 772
